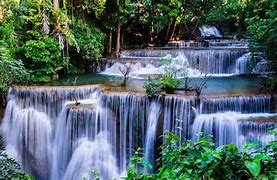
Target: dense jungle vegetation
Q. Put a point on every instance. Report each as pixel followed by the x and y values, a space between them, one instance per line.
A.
pixel 42 40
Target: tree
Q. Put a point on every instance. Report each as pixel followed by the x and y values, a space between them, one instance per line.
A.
pixel 262 28
pixel 12 71
pixel 125 71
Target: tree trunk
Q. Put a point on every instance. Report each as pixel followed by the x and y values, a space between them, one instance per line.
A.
pixel 122 38
pixel 117 48
pixel 152 33
pixel 56 4
pixel 168 29
pixel 1 13
pixel 152 26
pixel 187 31
pixel 110 43
pixel 173 31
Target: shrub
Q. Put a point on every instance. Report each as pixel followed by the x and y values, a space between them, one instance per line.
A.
pixel 9 168
pixel 11 71
pixel 45 58
pixel 152 85
pixel 201 160
pixel 169 80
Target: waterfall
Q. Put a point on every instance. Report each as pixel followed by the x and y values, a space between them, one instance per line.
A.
pixel 216 62
pixel 209 31
pixel 220 43
pixel 223 126
pixel 73 124
pixel 92 155
pixel 141 69
pixel 129 113
pixel 27 133
pixel 243 63
pixel 243 104
pixel 31 118
pixel 234 127
pixel 177 115
pixel 116 114
pixel 257 130
pixel 230 43
pixel 183 44
pixel 50 135
pixel 152 122
pixel 49 100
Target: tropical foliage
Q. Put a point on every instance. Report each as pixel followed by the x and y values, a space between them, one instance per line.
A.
pixel 262 28
pixel 201 160
pixel 42 38
pixel 9 168
pixel 11 71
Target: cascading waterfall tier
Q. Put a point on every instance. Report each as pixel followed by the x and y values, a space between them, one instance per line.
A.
pixel 234 127
pixel 84 142
pixel 209 31
pixel 243 104
pixel 229 43
pixel 90 155
pixel 244 63
pixel 49 100
pixel 51 131
pixel 28 134
pixel 216 62
pixel 120 116
pixel 178 114
pixel 129 111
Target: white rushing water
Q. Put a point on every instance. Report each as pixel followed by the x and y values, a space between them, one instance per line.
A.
pixel 212 43
pixel 152 122
pixel 92 155
pixel 243 64
pixel 83 141
pixel 223 126
pixel 196 63
pixel 229 127
pixel 53 138
pixel 139 70
pixel 244 104
pixel 177 115
pixel 28 134
pixel 209 31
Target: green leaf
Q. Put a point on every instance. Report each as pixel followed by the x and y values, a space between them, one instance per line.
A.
pixel 147 164
pixel 253 166
pixel 262 156
pixel 250 145
pixel 217 156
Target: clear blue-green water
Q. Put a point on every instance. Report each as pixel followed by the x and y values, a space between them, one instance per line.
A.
pixel 233 85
